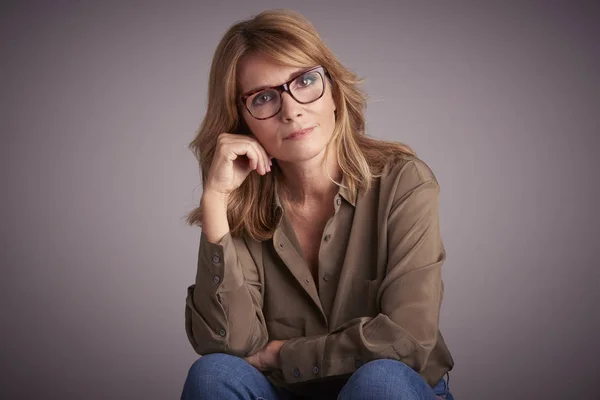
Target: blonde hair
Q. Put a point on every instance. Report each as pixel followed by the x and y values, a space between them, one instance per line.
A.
pixel 289 38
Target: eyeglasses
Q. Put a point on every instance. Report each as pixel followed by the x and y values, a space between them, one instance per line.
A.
pixel 306 87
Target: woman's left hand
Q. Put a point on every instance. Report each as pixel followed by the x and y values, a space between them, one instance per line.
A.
pixel 267 358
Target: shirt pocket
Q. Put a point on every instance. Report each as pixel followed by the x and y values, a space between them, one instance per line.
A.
pixel 285 328
pixel 364 297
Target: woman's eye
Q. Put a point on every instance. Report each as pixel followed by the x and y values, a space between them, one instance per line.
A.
pixel 305 80
pixel 262 98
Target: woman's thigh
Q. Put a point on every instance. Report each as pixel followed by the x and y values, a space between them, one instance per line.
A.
pixel 222 376
pixel 389 379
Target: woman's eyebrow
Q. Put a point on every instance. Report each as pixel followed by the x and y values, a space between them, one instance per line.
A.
pixel 290 76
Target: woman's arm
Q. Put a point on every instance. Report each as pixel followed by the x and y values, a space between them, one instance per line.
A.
pixel 224 307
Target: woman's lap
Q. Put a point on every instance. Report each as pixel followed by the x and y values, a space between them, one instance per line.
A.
pixel 390 379
pixel 222 376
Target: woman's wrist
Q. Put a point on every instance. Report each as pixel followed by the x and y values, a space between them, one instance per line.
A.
pixel 211 195
pixel 214 215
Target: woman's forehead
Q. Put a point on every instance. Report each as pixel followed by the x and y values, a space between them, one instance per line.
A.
pixel 257 70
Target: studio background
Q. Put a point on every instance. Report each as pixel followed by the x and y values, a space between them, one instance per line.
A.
pixel 99 101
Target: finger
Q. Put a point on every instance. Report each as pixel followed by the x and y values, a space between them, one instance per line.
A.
pixel 266 157
pixel 264 160
pixel 252 360
pixel 258 157
pixel 254 157
pixel 263 156
pixel 241 145
pixel 243 148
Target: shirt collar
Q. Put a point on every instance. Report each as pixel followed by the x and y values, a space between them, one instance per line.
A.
pixel 346 193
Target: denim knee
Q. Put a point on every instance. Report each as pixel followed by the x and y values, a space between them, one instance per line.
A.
pixel 223 376
pixel 211 372
pixel 386 379
pixel 217 365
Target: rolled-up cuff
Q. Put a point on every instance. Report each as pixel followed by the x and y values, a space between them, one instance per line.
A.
pixel 302 358
pixel 218 267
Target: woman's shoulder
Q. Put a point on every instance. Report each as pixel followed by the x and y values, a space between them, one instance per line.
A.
pixel 407 169
pixel 402 175
pixel 393 160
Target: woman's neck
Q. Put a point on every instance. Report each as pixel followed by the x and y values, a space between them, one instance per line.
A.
pixel 307 183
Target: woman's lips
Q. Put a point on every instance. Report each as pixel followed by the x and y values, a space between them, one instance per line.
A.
pixel 300 134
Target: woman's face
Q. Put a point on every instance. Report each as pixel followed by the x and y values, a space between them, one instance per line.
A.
pixel 276 133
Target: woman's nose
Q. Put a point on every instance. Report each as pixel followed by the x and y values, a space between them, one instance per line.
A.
pixel 290 108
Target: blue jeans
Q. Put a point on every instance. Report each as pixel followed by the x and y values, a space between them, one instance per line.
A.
pixel 224 377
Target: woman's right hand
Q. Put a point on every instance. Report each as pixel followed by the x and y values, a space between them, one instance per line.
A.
pixel 235 157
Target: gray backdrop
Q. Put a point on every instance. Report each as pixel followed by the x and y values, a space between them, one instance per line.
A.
pixel 100 100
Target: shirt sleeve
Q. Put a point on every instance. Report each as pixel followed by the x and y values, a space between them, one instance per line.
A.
pixel 223 310
pixel 406 328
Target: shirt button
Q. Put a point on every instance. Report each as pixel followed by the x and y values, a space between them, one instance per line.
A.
pixel 326 277
pixel 327 237
pixel 296 372
pixel 216 279
pixel 315 370
pixel 358 363
pixel 222 332
pixel 338 201
pixel 216 259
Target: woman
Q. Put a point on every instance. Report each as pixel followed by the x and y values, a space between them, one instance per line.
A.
pixel 319 267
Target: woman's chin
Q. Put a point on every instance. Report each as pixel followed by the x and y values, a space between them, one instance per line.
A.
pixel 301 155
